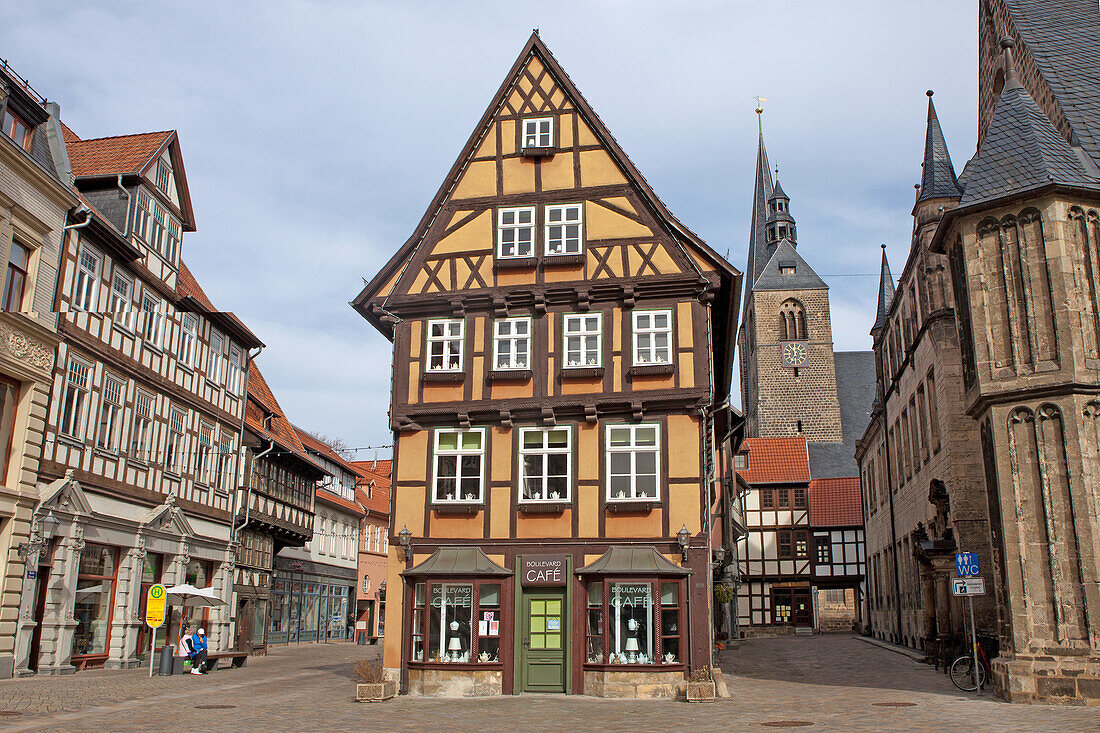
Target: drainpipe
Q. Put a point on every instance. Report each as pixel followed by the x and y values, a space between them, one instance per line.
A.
pixel 61 252
pixel 129 206
pixel 248 359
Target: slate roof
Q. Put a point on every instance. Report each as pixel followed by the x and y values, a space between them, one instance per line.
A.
pixel 855 392
pixel 775 461
pixel 1021 151
pixel 804 277
pixel 885 293
pixel 1063 37
pixel 777 191
pixel 758 247
pixel 835 502
pixel 937 174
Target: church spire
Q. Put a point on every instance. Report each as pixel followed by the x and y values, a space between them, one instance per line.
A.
pixel 885 293
pixel 762 191
pixel 938 175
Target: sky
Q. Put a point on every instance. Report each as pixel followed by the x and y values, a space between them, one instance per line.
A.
pixel 315 134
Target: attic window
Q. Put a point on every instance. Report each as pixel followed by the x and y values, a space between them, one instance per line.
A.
pixel 538 133
pixel 741 461
pixel 17 129
pixel 786 268
pixel 164 175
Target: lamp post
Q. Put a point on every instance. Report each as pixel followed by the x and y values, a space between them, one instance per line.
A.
pixel 403 538
pixel 683 537
pixel 47 529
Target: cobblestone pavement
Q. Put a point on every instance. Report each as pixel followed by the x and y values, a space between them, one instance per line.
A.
pixel 837 683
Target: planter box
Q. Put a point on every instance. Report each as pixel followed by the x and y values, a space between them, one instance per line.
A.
pixel 375 691
pixel 700 691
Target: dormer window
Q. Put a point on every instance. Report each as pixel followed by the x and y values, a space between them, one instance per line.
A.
pixel 538 133
pixel 17 129
pixel 787 268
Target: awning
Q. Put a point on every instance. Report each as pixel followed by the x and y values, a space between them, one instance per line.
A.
pixel 449 561
pixel 644 560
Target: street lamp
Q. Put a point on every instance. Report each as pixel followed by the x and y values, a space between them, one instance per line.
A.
pixel 719 556
pixel 683 536
pixel 403 538
pixel 47 529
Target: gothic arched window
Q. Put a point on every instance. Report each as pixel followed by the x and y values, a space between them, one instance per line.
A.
pixel 792 321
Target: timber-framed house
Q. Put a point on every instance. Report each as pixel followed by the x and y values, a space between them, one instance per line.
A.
pixel 144 419
pixel 562 361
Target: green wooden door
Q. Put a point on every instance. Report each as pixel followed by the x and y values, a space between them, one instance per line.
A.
pixel 544 642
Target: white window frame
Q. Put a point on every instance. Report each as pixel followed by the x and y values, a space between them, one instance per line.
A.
pixel 176 445
pixel 447 356
pixel 152 309
pixel 143 214
pixel 549 224
pixel 189 338
pixel 545 452
pixel 650 352
pixel 544 138
pixel 203 453
pixel 322 546
pixel 514 227
pixel 86 282
pixel 172 239
pixel 233 369
pixel 224 463
pixel 110 412
pixel 123 305
pixel 216 357
pixel 157 229
pixel 71 419
pixel 458 453
pixel 141 425
pixel 633 449
pixel 505 344
pixel 581 335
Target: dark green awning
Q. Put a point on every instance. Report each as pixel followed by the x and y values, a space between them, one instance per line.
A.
pixel 450 561
pixel 632 560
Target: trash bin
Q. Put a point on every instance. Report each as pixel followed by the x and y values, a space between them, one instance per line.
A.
pixel 166 660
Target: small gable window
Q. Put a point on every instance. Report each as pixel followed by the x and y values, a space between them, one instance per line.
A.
pixel 538 133
pixel 786 268
pixel 17 129
pixel 516 233
pixel 563 229
pixel 741 461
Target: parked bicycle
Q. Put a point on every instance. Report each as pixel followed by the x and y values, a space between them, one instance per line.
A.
pixel 962 671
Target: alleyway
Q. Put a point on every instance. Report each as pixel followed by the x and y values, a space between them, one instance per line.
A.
pixel 837 683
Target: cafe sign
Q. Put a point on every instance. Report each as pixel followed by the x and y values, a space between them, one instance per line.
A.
pixel 543 570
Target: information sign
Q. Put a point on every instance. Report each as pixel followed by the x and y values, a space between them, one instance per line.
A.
pixel 968 586
pixel 966 564
pixel 155 605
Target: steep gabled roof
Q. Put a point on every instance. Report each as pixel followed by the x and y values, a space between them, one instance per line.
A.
pixel 536 47
pixel 378 473
pixel 188 288
pixel 762 192
pixel 109 156
pixel 261 401
pixel 315 445
pixel 937 174
pixel 835 502
pixel 785 255
pixel 775 461
pixel 1021 151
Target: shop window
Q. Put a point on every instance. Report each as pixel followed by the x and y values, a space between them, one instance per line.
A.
pixel 463 623
pixel 595 623
pixel 449 622
pixel 582 335
pixel 670 622
pixel 633 465
pixel 631 628
pixel 445 345
pixel 643 622
pixel 545 461
pixel 418 623
pixel 652 337
pixel 781 606
pixel 95 586
pixel 488 623
pixel 459 465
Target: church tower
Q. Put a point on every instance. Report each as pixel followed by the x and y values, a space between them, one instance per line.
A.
pixel 788 371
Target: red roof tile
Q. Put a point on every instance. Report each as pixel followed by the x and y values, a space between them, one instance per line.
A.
pixel 279 430
pixel 835 502
pixel 68 135
pixel 775 461
pixel 314 445
pixel 109 156
pixel 335 500
pixel 378 473
pixel 188 287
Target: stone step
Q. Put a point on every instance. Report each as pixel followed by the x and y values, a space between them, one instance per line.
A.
pixel 803 631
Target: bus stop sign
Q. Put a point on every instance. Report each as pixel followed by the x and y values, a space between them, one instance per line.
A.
pixel 155 604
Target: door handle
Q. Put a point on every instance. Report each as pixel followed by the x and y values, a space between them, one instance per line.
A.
pixel 527 643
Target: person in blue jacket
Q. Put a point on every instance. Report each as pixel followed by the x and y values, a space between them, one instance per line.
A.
pixel 198 658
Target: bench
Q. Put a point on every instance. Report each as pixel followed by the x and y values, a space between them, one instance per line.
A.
pixel 237 658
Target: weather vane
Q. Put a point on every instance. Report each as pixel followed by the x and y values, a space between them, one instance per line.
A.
pixel 760 111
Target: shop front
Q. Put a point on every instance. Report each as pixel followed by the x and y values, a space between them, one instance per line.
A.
pixel 616 627
pixel 310 602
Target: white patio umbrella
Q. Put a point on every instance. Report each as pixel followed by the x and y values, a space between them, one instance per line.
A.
pixel 188 596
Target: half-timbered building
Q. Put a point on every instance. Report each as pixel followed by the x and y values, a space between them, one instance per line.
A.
pixel 775 593
pixel 837 553
pixel 145 413
pixel 35 198
pixel 562 361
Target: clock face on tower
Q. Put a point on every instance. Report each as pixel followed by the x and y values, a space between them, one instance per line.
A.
pixel 794 353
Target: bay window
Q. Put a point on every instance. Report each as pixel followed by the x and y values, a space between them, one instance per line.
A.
pixel 457 622
pixel 643 621
pixel 545 464
pixel 445 345
pixel 582 336
pixel 652 337
pixel 633 462
pixel 459 458
pixel 512 343
pixel 516 233
pixel 563 229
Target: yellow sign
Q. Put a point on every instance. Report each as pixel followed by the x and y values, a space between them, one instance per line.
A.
pixel 155 604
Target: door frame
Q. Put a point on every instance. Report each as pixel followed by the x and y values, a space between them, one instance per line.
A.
pixel 519 614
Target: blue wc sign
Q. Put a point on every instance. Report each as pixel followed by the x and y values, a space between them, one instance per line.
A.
pixel 966 564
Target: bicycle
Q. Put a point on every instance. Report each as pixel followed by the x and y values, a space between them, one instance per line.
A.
pixel 962 671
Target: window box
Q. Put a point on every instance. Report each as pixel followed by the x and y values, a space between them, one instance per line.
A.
pixel 510 375
pixel 468 509
pixel 553 260
pixel 515 263
pixel 581 372
pixel 543 507
pixel 445 377
pixel 537 152
pixel 630 506
pixel 648 370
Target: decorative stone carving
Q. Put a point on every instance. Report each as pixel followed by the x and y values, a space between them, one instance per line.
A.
pixel 26 349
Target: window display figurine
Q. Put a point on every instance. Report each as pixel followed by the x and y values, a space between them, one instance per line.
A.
pixel 454 646
pixel 631 647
